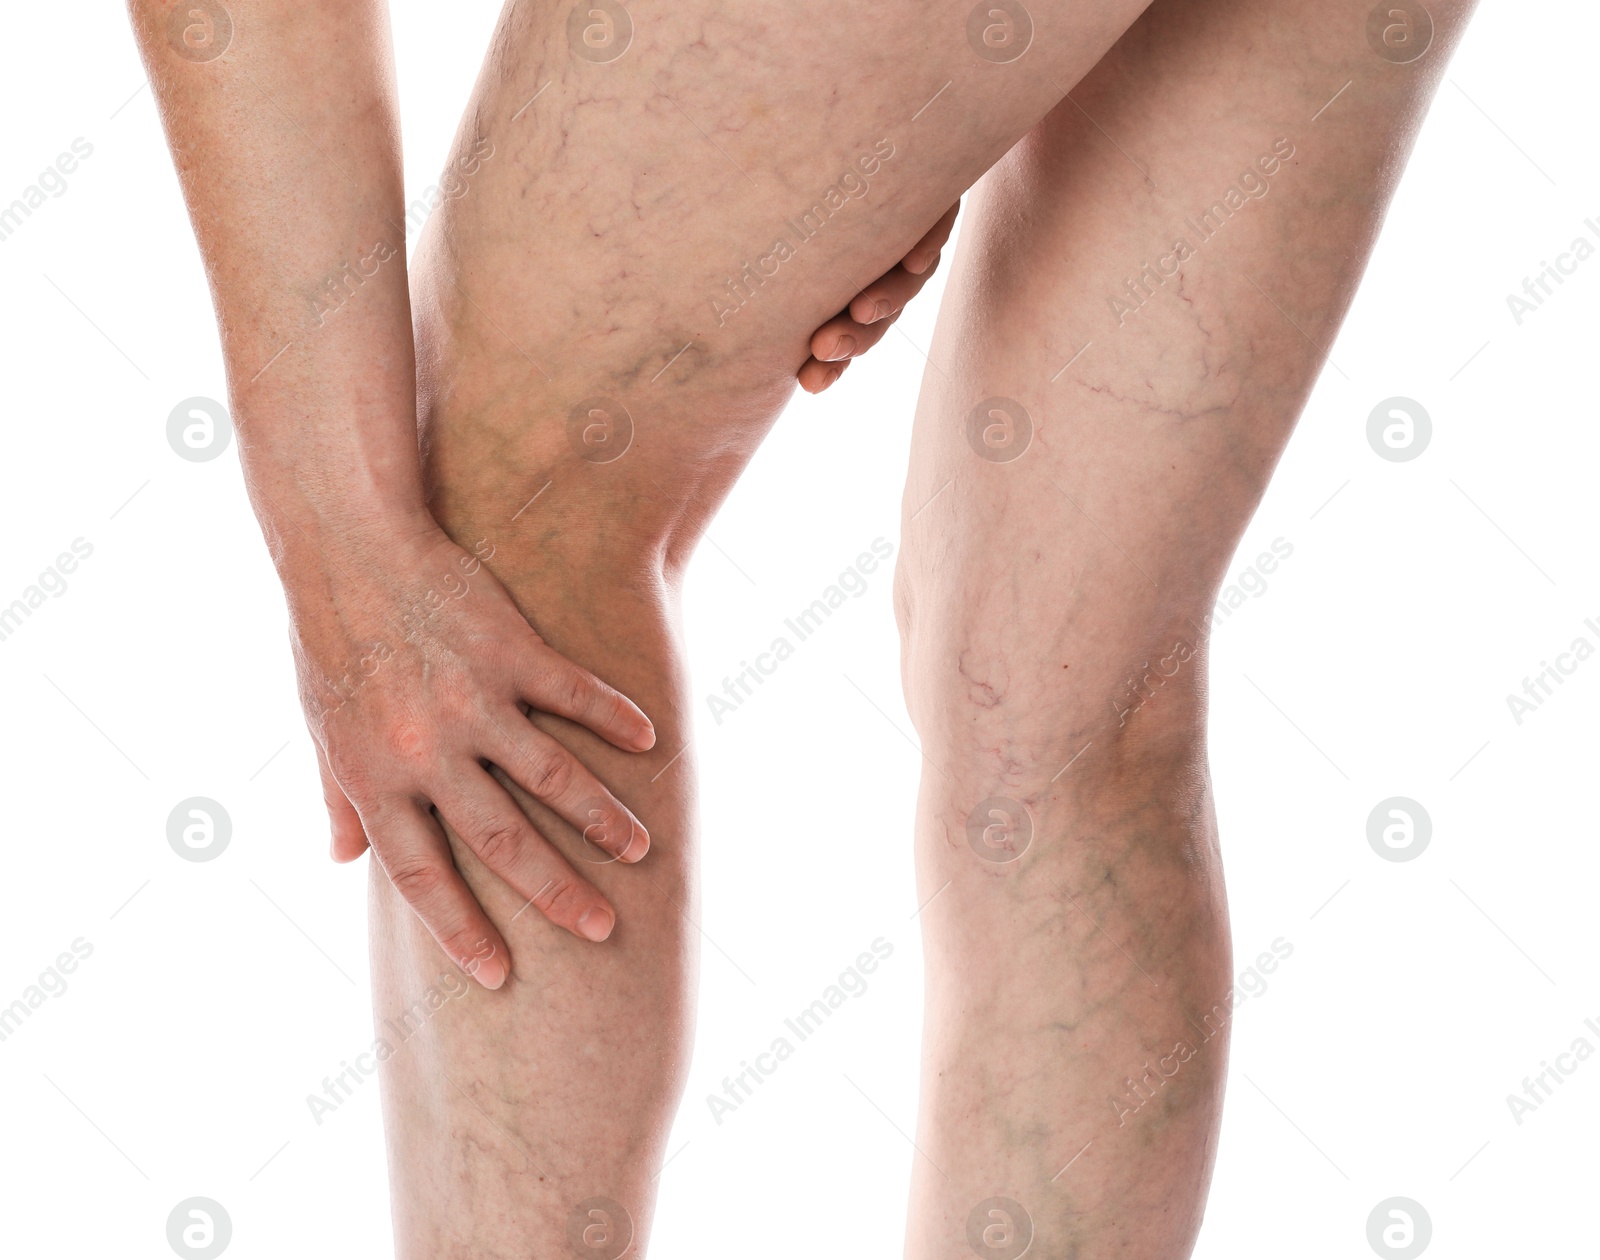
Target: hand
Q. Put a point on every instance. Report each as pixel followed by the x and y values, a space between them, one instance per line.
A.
pixel 415 669
pixel 860 326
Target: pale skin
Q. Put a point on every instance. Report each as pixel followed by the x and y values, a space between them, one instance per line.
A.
pixel 576 293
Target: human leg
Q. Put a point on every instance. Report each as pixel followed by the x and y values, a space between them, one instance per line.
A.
pixel 1068 515
pixel 591 383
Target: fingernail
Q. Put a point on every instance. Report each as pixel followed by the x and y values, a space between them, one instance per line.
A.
pixel 491 973
pixel 646 738
pixel 596 924
pixel 638 844
pixel 916 264
pixel 843 348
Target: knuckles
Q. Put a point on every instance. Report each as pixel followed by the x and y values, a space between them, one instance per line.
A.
pixel 549 774
pixel 498 844
pixel 467 947
pixel 414 742
pixel 561 900
pixel 416 879
pixel 558 690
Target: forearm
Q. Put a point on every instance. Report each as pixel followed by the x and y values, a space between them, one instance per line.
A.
pixel 282 121
pixel 286 144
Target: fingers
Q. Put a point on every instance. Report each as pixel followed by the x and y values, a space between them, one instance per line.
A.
pixel 553 684
pixel 550 773
pixel 888 294
pixel 416 857
pixel 857 329
pixel 843 337
pixel 924 255
pixel 815 376
pixel 834 345
pixel 349 837
pixel 494 827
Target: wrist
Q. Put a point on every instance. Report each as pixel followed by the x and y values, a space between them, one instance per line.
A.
pixel 361 526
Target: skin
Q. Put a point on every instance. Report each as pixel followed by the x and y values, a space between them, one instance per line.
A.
pixel 596 551
pixel 283 128
pixel 1054 609
pixel 572 301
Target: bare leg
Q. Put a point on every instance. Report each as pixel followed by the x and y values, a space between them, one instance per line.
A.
pixel 1055 592
pixel 596 365
pixel 574 302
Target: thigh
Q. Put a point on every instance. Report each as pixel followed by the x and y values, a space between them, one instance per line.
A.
pixel 1143 297
pixel 650 208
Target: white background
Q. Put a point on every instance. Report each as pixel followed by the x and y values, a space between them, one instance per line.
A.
pixel 1377 1064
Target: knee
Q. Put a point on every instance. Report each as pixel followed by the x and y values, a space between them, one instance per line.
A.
pixel 999 669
